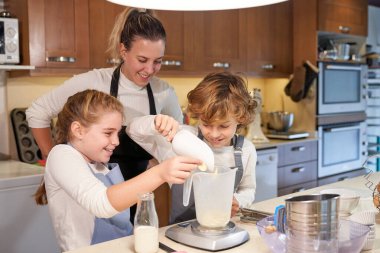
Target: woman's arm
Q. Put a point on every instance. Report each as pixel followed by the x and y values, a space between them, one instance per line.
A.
pixel 44 140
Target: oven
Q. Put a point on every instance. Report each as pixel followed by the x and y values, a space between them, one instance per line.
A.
pixel 342 87
pixel 342 147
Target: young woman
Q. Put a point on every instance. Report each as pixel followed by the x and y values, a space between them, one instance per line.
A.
pixel 88 202
pixel 222 105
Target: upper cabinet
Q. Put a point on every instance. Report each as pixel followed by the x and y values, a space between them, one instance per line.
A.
pixel 269 39
pixel 58 35
pixel 347 17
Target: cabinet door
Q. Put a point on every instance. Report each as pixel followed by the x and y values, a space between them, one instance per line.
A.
pixel 58 33
pixel 338 16
pixel 213 41
pixel 102 16
pixel 269 40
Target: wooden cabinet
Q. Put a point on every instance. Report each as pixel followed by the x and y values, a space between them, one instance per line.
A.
pixel 297 166
pixel 347 17
pixel 58 34
pixel 269 39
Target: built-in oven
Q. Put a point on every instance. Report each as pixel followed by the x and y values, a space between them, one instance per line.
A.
pixel 342 87
pixel 342 147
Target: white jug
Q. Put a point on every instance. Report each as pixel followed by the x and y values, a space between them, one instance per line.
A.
pixel 213 193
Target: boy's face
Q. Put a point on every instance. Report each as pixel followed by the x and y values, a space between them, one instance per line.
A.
pixel 219 134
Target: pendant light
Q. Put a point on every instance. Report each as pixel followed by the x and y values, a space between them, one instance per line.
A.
pixel 194 5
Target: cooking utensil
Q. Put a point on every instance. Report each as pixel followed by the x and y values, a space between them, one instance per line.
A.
pixel 280 121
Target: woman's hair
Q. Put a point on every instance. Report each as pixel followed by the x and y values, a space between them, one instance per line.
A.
pixel 85 107
pixel 219 96
pixel 132 24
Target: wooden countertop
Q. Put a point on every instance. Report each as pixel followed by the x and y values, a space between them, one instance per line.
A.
pixel 255 244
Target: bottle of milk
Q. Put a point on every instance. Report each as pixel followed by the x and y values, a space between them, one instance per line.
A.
pixel 146 225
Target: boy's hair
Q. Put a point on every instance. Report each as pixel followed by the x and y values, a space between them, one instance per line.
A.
pixel 86 107
pixel 219 96
pixel 132 24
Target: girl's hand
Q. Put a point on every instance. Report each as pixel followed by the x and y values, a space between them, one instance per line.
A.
pixel 166 126
pixel 235 207
pixel 175 170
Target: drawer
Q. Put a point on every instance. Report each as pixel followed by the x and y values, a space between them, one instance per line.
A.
pixel 297 173
pixel 297 152
pixel 341 177
pixel 297 188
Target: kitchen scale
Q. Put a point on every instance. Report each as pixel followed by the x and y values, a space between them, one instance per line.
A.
pixel 192 234
pixel 289 135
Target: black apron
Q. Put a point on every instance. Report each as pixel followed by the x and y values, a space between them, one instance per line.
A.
pixel 179 212
pixel 132 158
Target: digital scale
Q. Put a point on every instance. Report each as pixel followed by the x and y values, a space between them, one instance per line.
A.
pixel 192 234
pixel 287 135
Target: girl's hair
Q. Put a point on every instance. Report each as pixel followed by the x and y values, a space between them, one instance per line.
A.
pixel 219 96
pixel 132 24
pixel 85 107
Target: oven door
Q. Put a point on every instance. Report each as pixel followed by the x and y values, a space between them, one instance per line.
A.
pixel 341 148
pixel 341 88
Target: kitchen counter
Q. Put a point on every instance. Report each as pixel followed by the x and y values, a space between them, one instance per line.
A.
pixel 255 244
pixel 273 143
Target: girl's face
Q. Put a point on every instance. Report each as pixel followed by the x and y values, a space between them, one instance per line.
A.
pixel 143 60
pixel 219 134
pixel 98 141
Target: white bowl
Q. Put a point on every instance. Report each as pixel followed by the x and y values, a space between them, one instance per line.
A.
pixel 364 217
pixel 349 199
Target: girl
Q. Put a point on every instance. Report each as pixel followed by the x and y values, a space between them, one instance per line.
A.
pixel 222 105
pixel 89 203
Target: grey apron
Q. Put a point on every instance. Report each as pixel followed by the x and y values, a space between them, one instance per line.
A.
pixel 118 226
pixel 179 212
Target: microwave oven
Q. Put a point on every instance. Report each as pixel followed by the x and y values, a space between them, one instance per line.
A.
pixel 342 87
pixel 9 41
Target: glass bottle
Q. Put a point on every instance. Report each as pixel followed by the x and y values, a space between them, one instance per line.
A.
pixel 146 224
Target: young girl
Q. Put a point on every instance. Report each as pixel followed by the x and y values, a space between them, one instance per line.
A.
pixel 89 203
pixel 222 105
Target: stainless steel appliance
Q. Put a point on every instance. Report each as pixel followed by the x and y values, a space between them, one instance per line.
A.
pixel 342 147
pixel 9 41
pixel 194 235
pixel 266 174
pixel 342 87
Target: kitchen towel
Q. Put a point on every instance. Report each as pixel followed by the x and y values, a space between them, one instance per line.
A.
pixel 301 81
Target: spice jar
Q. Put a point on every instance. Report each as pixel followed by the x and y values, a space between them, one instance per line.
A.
pixel 146 225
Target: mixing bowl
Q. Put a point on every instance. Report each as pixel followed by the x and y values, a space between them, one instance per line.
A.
pixel 280 121
pixel 349 199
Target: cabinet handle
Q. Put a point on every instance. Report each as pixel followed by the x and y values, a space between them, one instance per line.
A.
pixel 171 63
pixel 344 29
pixel 298 170
pixel 267 66
pixel 224 65
pixel 299 148
pixel 60 59
pixel 342 178
pixel 299 189
pixel 113 61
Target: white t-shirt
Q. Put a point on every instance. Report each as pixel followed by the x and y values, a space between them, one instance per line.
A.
pixel 142 131
pixel 75 196
pixel 133 97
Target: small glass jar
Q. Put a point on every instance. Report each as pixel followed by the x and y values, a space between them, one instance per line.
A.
pixel 146 224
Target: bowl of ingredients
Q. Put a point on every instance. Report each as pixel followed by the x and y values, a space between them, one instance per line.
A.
pixel 349 199
pixel 280 121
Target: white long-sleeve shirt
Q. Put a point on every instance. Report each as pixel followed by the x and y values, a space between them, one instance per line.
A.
pixel 142 131
pixel 133 97
pixel 75 196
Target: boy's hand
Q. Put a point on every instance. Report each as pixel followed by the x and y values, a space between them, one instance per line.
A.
pixel 235 207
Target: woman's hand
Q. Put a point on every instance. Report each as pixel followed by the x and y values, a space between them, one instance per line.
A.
pixel 175 170
pixel 166 126
pixel 235 207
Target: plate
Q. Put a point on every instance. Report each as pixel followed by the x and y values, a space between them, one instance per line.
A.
pixel 352 236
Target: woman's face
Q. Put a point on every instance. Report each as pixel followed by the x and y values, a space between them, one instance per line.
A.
pixel 219 134
pixel 98 141
pixel 143 60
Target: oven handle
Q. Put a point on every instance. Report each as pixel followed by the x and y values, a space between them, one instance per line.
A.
pixel 342 67
pixel 339 129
